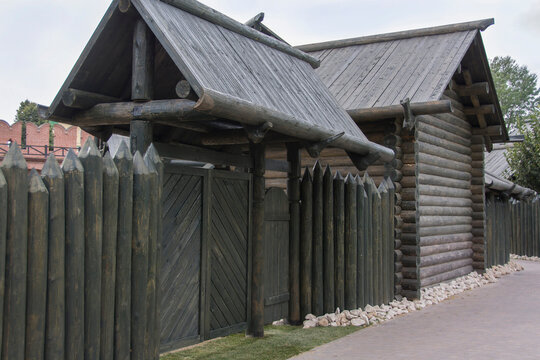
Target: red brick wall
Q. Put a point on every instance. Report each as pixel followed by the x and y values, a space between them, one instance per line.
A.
pixel 10 132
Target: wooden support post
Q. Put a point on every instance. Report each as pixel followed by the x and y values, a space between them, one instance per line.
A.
pixel 3 228
pixel 74 197
pixel 391 240
pixel 256 326
pixel 122 315
pixel 385 242
pixel 318 264
pixel 339 241
pixel 293 192
pixel 53 178
pixel 328 241
pixel 361 203
pixel 350 242
pixel 16 175
pixel 108 265
pixel 368 252
pixel 93 228
pixel 141 135
pixel 306 244
pixel 38 220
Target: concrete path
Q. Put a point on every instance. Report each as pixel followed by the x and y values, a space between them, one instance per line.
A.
pixel 498 321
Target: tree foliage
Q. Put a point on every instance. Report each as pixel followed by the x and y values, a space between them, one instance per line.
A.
pixel 28 112
pixel 524 157
pixel 517 90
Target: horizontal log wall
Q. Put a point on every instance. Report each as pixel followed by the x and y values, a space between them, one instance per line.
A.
pixel 478 207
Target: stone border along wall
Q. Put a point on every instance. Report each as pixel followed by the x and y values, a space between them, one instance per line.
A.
pixel 524 257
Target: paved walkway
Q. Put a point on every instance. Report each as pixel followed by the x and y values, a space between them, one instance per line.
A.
pixel 498 321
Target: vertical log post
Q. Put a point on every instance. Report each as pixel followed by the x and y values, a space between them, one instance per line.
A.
pixel 122 321
pixel 3 228
pixel 351 251
pixel 390 270
pixel 74 198
pixel 16 175
pixel 53 177
pixel 368 253
pixel 377 240
pixel 385 242
pixel 361 243
pixel 256 326
pixel 306 244
pixel 328 240
pixel 139 255
pixel 38 216
pixel 317 273
pixel 108 265
pixel 293 192
pixel 93 228
pixel 142 84
pixel 339 242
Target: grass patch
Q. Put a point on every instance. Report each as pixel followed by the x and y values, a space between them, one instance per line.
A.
pixel 279 342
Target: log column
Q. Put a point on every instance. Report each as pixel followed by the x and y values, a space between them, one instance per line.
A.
pixel 141 84
pixel 256 324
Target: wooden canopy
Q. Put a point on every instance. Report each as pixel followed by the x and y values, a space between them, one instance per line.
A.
pixel 230 78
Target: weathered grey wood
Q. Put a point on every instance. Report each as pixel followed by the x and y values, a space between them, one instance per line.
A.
pixel 93 228
pixel 351 235
pixel 122 315
pixel 217 18
pixel 480 110
pixel 371 114
pixel 306 244
pixel 139 255
pixel 183 89
pixel 38 219
pixel 80 99
pixel 362 203
pixel 15 172
pixel 318 247
pixel 391 233
pixel 141 135
pixel 328 241
pixel 293 192
pixel 385 241
pixel 339 241
pixel 53 177
pixel 480 88
pixel 75 215
pixel 377 245
pixel 3 228
pixel 124 5
pixel 108 260
pixel 369 249
pixel 142 86
pixel 256 326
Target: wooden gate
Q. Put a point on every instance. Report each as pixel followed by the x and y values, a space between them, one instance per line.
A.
pixel 205 255
pixel 276 261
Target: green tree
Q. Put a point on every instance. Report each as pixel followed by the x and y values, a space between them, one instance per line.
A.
pixel 524 157
pixel 517 89
pixel 28 112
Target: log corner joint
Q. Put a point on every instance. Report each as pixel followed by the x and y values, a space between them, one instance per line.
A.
pixel 314 149
pixel 409 120
pixel 257 133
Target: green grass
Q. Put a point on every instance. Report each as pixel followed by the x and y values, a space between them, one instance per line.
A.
pixel 279 342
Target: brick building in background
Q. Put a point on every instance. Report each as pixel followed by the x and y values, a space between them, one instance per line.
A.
pixel 37 141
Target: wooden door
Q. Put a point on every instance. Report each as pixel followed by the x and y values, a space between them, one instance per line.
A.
pixel 276 255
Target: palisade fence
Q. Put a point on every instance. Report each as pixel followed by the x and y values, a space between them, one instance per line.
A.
pixel 346 241
pixel 81 246
pixel 512 227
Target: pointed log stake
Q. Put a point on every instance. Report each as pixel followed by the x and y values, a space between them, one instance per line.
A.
pixel 306 244
pixel 339 241
pixel 38 216
pixel 256 134
pixel 328 240
pixel 350 242
pixel 318 263
pixel 314 149
pixel 53 177
pixel 108 262
pixel 93 228
pixel 74 198
pixel 139 255
pixel 361 197
pixel 368 252
pixel 3 224
pixel 122 314
pixel 16 175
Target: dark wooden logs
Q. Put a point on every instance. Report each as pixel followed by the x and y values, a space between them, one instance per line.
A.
pixel 256 326
pixel 124 5
pixel 38 220
pixel 79 99
pixel 339 241
pixel 306 243
pixel 328 240
pixel 53 178
pixel 93 228
pixel 394 240
pixel 108 261
pixel 139 255
pixel 74 198
pixel 317 305
pixel 480 88
pixel 293 193
pixel 482 110
pixel 369 233
pixel 351 227
pixel 361 200
pixel 16 175
pixel 141 135
pixel 122 315
pixel 143 63
pixel 392 111
pixel 377 246
pixel 3 228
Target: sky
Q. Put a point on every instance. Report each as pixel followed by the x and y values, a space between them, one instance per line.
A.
pixel 40 41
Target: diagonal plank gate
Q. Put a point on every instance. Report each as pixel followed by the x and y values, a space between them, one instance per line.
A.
pixel 205 255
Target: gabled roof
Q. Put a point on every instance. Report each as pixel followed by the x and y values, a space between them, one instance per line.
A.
pixel 226 69
pixel 382 70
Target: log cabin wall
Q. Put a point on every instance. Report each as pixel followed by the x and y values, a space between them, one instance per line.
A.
pixel 478 206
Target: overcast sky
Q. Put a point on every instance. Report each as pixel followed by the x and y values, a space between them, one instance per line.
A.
pixel 41 40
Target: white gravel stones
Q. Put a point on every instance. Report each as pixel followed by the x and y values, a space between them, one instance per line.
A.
pixel 524 257
pixel 380 313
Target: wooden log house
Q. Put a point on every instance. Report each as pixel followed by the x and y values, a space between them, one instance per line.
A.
pixel 428 94
pixel 205 88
